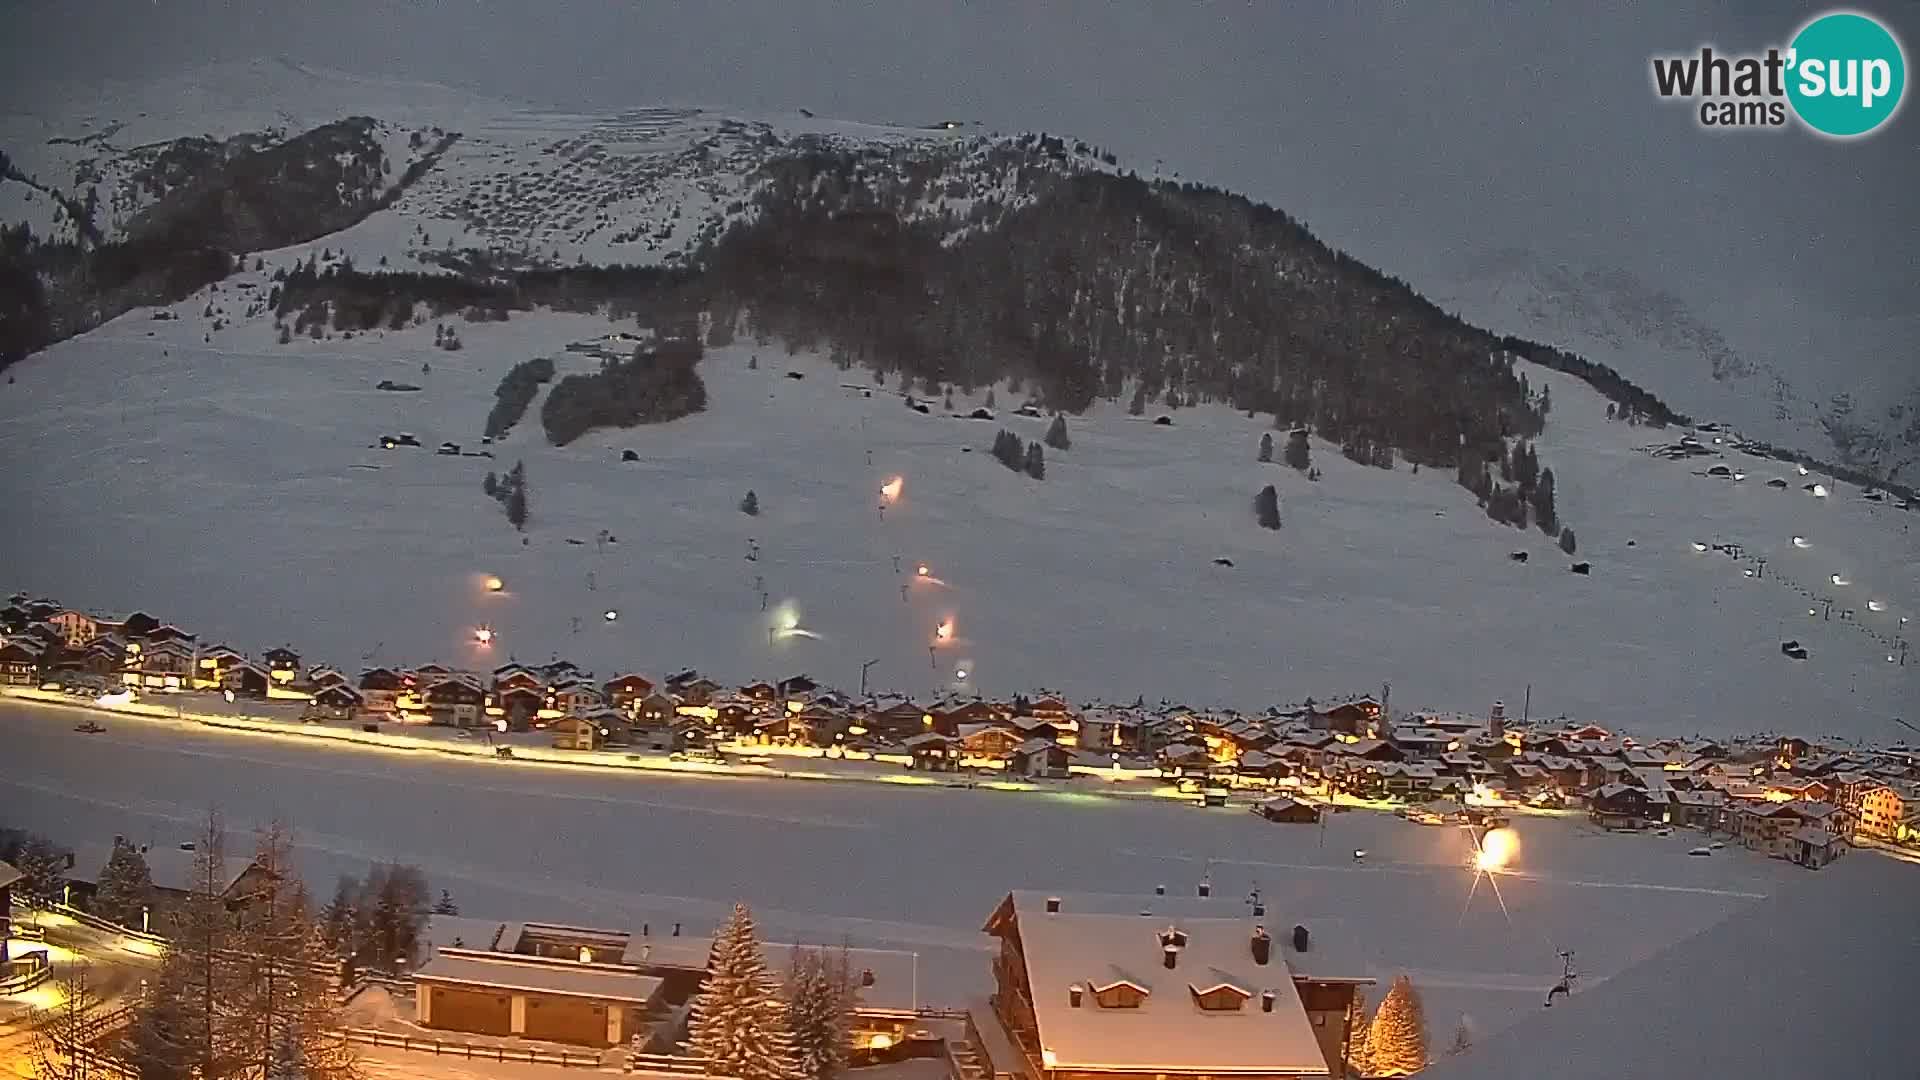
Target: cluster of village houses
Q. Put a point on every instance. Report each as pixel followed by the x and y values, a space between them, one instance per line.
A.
pixel 1786 797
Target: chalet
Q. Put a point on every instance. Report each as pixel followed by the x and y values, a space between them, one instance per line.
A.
pixel 1765 827
pixel 1042 758
pixel 519 705
pixel 696 689
pixel 1085 993
pixel 817 724
pixel 1110 729
pixel 732 715
pixel 457 700
pixel 1036 727
pixel 585 732
pixel 988 742
pixel 249 680
pixel 625 691
pixel 1290 811
pixel 933 752
pixel 949 715
pixel 1377 750
pixel 166 632
pixel 323 676
pixel 1619 806
pixel 518 676
pixel 211 670
pixel 576 1001
pixel 22 662
pixel 76 627
pixel 557 670
pixel 165 665
pixel 1699 809
pixel 760 692
pixel 1814 847
pixel 283 665
pixel 1787 787
pixel 897 720
pixel 655 709
pixel 1183 758
pixel 1361 717
pixel 171 870
pixel 335 702
pixel 572 697
pixel 380 687
pixel 1406 778
pixel 1260 767
pixel 798 686
pixel 1835 819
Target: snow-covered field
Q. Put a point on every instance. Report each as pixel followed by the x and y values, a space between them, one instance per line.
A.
pixel 916 870
pixel 230 486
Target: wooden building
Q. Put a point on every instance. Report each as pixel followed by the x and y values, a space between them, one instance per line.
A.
pixel 574 1001
pixel 1105 993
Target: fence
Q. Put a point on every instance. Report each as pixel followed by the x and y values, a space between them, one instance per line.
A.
pixel 87 918
pixel 473 1051
pixel 25 972
pixel 666 1063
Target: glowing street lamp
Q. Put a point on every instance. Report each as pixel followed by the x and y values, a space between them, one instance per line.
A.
pixel 483 635
pixel 494 584
pixel 1837 579
pixel 944 632
pixel 923 570
pixel 610 615
pixel 890 490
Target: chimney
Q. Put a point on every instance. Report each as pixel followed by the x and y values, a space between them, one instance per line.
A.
pixel 1262 946
pixel 1170 955
pixel 1497 720
pixel 1053 905
pixel 1266 1001
pixel 1073 995
pixel 1206 889
pixel 1299 939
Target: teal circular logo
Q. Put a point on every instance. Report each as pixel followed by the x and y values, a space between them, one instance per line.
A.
pixel 1846 75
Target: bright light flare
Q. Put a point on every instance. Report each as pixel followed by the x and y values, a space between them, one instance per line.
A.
pixel 923 570
pixel 944 632
pixel 483 635
pixel 1876 605
pixel 610 614
pixel 1497 849
pixel 890 490
pixel 494 584
pixel 1802 542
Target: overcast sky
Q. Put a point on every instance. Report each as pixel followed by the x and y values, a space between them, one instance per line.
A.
pixel 1412 133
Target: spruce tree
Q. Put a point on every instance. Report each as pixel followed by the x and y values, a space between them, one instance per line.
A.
pixel 1266 448
pixel 1266 507
pixel 43 872
pixel 1298 453
pixel 491 485
pixel 990 400
pixel 819 1011
pixel 1057 433
pixel 1567 541
pixel 1397 1045
pixel 750 505
pixel 1358 1060
pixel 517 506
pixel 337 918
pixel 1138 406
pixel 1542 498
pixel 126 886
pixel 738 1023
pixel 445 905
pixel 1036 462
pixel 1462 1037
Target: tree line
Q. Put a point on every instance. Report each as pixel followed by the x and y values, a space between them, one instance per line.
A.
pixel 660 382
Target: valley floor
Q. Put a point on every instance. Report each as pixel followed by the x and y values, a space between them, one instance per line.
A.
pixel 882 866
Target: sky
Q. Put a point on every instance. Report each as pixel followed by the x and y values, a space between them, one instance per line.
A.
pixel 1414 135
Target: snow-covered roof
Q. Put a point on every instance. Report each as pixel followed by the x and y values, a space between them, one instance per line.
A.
pixel 500 971
pixel 1168 1031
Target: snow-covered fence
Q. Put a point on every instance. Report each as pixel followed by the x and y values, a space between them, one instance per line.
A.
pixel 473 1051
pixel 671 1064
pixel 87 918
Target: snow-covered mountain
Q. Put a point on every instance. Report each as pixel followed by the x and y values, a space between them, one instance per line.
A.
pixel 1766 364
pixel 242 458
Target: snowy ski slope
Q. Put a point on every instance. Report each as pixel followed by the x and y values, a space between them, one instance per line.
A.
pixel 231 486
